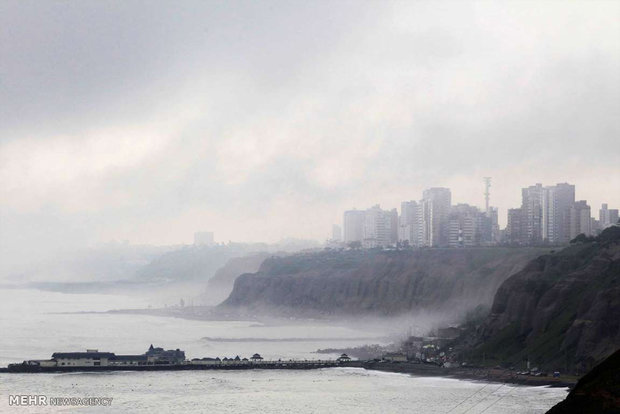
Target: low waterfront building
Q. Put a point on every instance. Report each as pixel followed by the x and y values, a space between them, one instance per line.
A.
pixel 42 362
pixel 128 360
pixel 206 361
pixel 94 358
pixel 395 357
pixel 90 358
pixel 161 356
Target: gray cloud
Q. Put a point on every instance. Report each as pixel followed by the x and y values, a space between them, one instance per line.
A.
pixel 149 120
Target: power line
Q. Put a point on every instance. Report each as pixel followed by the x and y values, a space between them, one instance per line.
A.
pixel 456 406
pixel 496 401
pixel 475 405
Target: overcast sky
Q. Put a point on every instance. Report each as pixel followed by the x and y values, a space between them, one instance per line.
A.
pixel 147 121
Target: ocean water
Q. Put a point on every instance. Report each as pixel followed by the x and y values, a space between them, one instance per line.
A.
pixel 33 324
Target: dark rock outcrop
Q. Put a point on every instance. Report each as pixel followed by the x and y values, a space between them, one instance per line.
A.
pixel 562 311
pixel 441 281
pixel 598 392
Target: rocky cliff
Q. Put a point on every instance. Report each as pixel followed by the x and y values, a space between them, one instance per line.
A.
pixel 562 311
pixel 221 284
pixel 598 392
pixel 449 282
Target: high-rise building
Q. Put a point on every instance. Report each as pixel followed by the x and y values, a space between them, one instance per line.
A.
pixel 377 230
pixel 515 226
pixel 353 226
pixel 607 217
pixel 393 226
pixel 464 226
pixel 595 226
pixel 556 204
pixel 495 233
pixel 531 208
pixel 436 204
pixel 409 223
pixel 580 219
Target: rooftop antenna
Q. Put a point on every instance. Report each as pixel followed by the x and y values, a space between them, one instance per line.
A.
pixel 487 194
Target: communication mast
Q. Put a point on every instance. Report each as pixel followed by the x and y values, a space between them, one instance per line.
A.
pixel 487 194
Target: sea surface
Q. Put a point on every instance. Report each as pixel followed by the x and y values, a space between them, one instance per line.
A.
pixel 34 324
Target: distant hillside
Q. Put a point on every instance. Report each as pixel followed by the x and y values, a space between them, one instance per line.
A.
pixel 562 311
pixel 221 284
pixel 449 282
pixel 200 263
pixel 225 276
pixel 191 263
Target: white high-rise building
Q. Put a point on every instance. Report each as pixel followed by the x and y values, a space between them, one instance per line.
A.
pixel 580 222
pixel 409 223
pixel 607 217
pixel 435 204
pixel 378 227
pixel 353 226
pixel 531 208
pixel 555 209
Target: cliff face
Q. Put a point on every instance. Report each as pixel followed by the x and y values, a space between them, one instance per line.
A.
pixel 446 281
pixel 562 310
pixel 225 276
pixel 221 284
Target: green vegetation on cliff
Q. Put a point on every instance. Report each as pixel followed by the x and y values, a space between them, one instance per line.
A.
pixel 561 312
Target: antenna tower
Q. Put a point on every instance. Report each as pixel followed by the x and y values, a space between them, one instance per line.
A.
pixel 487 194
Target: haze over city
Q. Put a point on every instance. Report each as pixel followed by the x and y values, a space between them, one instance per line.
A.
pixel 277 206
pixel 258 121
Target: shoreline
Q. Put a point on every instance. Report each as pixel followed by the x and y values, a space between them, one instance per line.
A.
pixel 423 370
pixel 476 374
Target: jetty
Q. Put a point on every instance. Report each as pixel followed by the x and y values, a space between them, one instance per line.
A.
pixel 158 359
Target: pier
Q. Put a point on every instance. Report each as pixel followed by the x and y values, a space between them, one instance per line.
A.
pixel 291 364
pixel 158 359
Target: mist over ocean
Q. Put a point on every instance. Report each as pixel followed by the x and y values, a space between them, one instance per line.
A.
pixel 34 325
pixel 423 194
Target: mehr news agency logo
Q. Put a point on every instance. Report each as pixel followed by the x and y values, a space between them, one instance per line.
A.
pixel 44 400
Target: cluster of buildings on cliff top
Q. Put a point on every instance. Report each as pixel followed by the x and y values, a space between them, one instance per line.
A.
pixel 549 215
